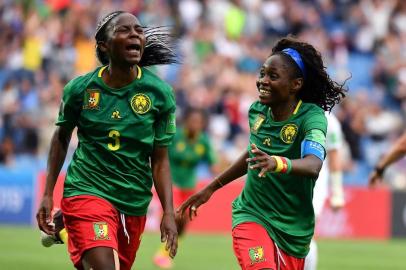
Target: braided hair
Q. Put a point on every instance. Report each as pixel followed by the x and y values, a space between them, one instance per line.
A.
pixel 318 87
pixel 159 49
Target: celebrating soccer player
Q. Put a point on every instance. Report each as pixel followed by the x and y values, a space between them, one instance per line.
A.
pixel 125 119
pixel 273 218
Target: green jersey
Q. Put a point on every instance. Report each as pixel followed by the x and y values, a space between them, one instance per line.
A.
pixel 185 155
pixel 282 203
pixel 117 131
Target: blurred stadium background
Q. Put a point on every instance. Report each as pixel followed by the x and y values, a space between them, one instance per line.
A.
pixel 223 44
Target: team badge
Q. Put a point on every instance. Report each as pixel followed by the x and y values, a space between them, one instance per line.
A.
pixel 256 254
pixel 140 103
pixel 257 124
pixel 116 114
pixel 180 146
pixel 92 99
pixel 199 149
pixel 288 133
pixel 101 231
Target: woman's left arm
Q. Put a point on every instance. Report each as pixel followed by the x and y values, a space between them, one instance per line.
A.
pixel 163 186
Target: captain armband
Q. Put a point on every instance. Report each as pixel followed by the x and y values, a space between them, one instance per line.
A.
pixel 283 165
pixel 313 148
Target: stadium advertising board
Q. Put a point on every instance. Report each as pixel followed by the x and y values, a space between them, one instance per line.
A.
pixel 17 189
pixel 399 214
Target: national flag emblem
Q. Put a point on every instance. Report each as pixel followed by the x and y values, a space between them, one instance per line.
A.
pixel 257 124
pixel 92 100
pixel 256 254
pixel 101 231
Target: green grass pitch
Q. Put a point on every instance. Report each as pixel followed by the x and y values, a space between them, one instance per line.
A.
pixel 20 248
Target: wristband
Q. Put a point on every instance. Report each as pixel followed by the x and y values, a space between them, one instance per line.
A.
pixel 379 170
pixel 283 164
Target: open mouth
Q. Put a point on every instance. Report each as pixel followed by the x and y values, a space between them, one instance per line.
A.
pixel 133 48
pixel 265 91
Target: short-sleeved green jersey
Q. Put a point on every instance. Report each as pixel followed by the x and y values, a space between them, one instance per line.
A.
pixel 185 155
pixel 117 130
pixel 281 203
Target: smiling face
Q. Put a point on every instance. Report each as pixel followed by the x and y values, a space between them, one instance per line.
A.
pixel 126 40
pixel 275 83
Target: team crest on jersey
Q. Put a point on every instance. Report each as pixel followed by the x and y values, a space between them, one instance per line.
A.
pixel 288 133
pixel 101 231
pixel 256 254
pixel 116 114
pixel 257 124
pixel 92 99
pixel 180 146
pixel 140 103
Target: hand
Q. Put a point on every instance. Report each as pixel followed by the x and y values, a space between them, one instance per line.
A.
pixel 261 160
pixel 336 203
pixel 169 233
pixel 44 215
pixel 375 178
pixel 194 202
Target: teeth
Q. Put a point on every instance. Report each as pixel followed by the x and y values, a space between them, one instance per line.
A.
pixel 262 91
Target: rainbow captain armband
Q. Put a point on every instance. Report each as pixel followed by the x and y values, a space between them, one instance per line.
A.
pixel 283 164
pixel 313 148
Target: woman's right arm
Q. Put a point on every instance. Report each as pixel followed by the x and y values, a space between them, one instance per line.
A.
pixel 236 170
pixel 57 154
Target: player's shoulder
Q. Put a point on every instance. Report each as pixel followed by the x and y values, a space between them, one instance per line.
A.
pixel 155 81
pixel 79 84
pixel 311 108
pixel 257 107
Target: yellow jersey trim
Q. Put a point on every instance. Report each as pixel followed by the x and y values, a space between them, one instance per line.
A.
pixel 297 107
pixel 101 71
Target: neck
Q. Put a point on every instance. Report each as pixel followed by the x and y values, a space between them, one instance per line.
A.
pixel 119 76
pixel 281 112
pixel 191 135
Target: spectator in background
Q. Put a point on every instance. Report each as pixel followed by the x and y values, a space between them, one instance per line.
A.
pixel 55 36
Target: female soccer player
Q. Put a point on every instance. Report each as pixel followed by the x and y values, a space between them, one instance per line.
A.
pixel 190 146
pixel 273 218
pixel 125 120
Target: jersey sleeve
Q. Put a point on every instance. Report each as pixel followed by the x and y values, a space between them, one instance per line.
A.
pixel 70 107
pixel 165 125
pixel 315 128
pixel 210 154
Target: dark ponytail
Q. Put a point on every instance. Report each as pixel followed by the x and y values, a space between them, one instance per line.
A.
pixel 160 48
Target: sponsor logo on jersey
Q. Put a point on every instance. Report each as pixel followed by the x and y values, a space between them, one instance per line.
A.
pixel 257 124
pixel 256 254
pixel 101 231
pixel 92 99
pixel 116 114
pixel 288 133
pixel 141 103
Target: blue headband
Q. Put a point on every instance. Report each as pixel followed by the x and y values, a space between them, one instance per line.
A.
pixel 295 55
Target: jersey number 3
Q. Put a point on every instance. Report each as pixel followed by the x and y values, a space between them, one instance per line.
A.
pixel 115 145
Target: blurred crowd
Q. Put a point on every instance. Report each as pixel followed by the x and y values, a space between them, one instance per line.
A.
pixel 222 44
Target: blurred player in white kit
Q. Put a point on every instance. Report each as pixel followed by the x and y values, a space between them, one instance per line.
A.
pixel 329 185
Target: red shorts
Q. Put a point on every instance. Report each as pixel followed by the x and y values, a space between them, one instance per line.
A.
pixel 94 222
pixel 255 250
pixel 181 195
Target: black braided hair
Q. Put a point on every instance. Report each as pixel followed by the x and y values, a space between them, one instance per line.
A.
pixel 160 48
pixel 318 87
